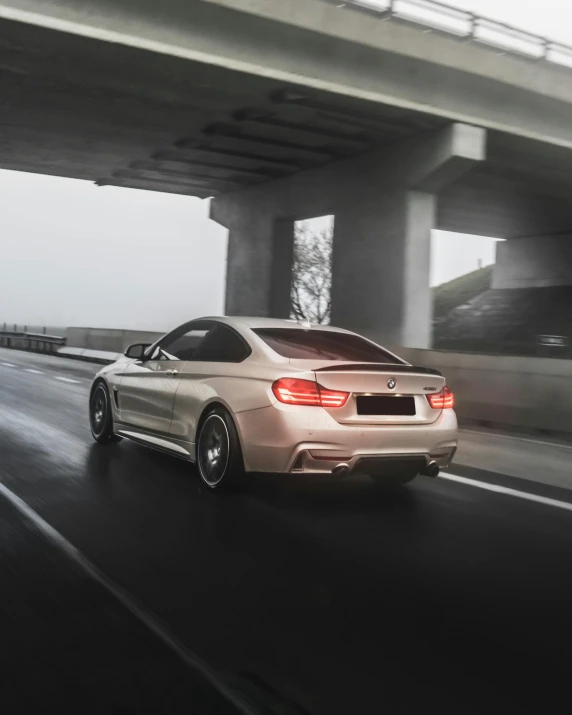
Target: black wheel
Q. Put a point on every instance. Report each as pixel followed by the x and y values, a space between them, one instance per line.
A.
pixel 219 457
pixel 100 418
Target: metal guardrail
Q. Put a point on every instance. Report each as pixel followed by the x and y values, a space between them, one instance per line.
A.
pixel 33 342
pixel 466 26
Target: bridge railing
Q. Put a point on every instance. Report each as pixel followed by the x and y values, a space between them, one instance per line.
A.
pixel 466 26
pixel 34 342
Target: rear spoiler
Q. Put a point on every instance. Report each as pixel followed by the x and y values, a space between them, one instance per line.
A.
pixel 380 367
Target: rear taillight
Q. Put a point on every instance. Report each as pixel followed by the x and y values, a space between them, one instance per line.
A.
pixel 292 391
pixel 443 400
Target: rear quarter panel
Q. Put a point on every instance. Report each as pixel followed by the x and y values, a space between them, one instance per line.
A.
pixel 238 386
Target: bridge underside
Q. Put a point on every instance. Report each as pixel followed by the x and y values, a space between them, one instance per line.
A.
pixel 82 108
pixel 271 152
pixel 86 109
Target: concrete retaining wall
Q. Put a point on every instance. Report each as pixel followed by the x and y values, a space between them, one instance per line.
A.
pixel 534 262
pixel 114 341
pixel 529 393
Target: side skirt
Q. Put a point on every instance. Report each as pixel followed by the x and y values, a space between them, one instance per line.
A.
pixel 158 443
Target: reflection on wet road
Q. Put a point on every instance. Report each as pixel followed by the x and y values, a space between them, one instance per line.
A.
pixel 340 598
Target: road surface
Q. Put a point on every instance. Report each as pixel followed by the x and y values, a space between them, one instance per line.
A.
pixel 333 598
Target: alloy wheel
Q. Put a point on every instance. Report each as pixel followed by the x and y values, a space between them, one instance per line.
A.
pixel 98 411
pixel 213 450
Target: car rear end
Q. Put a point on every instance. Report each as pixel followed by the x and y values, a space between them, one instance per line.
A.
pixel 342 417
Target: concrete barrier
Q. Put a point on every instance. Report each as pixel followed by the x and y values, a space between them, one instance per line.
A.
pixel 108 340
pixel 515 392
pixel 102 357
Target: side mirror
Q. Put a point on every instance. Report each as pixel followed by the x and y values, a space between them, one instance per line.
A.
pixel 137 351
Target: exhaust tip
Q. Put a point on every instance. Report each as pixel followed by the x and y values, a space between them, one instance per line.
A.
pixel 431 470
pixel 341 470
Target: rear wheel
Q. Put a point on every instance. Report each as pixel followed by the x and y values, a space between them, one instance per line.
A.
pixel 100 417
pixel 219 457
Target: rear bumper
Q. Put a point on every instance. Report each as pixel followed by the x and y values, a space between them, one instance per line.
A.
pixel 288 439
pixel 374 464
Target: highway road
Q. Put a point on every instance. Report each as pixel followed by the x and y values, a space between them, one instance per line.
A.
pixel 333 598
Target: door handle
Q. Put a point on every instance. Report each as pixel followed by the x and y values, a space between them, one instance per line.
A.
pixel 171 372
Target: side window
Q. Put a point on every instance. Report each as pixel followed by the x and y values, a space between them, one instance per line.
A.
pixel 181 345
pixel 222 345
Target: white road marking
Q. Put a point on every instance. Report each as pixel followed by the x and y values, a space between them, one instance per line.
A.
pixel 506 490
pixel 127 600
pixel 68 379
pixel 7 364
pixel 518 439
pixel 36 372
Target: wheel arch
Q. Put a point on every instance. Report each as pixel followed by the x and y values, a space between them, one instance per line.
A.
pixel 100 380
pixel 208 408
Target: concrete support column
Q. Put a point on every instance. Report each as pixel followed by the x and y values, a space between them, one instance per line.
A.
pixel 380 282
pixel 259 259
pixel 281 270
pixel 420 218
pixel 382 242
pixel 249 257
pixel 385 208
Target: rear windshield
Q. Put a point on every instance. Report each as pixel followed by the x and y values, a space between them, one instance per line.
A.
pixel 301 344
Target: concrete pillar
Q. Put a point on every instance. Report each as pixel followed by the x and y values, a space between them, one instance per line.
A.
pixel 534 262
pixel 385 208
pixel 249 259
pixel 417 306
pixel 281 271
pixel 380 282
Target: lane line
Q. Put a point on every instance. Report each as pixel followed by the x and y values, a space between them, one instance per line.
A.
pixel 508 491
pixel 518 439
pixel 7 364
pixel 146 617
pixel 68 379
pixel 36 372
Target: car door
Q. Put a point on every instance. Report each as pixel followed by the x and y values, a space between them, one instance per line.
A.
pixel 148 387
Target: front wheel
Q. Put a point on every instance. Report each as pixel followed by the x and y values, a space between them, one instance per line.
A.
pixel 219 457
pixel 100 417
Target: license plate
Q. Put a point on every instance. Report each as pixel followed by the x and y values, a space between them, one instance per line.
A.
pixel 385 405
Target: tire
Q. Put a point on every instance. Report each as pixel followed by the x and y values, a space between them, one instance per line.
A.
pixel 100 417
pixel 219 456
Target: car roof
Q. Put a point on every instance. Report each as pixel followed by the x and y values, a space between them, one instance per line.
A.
pixel 260 322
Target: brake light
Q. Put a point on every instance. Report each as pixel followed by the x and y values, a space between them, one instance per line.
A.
pixel 443 400
pixel 332 398
pixel 292 391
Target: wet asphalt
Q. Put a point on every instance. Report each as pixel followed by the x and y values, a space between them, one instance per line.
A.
pixel 318 597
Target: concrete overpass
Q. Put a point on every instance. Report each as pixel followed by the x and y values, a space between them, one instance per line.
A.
pixel 287 110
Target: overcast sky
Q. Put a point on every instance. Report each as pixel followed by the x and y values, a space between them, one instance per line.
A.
pixel 76 254
pixel 550 18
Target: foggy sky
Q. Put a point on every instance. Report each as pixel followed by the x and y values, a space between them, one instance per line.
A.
pixel 74 254
pixel 549 18
pixel 454 254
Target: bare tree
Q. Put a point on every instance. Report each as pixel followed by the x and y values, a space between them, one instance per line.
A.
pixel 310 294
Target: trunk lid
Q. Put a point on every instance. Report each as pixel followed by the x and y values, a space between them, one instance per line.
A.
pixel 379 393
